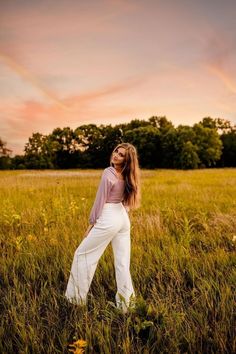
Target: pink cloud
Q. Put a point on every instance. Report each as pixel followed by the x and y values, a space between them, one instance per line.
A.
pixel 111 62
pixel 220 61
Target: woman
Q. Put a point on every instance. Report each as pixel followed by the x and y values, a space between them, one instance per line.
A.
pixel 119 191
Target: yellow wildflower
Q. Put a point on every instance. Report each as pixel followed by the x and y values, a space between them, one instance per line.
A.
pixel 31 237
pixel 78 346
pixel 80 343
pixel 77 351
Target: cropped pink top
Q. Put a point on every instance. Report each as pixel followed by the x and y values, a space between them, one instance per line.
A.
pixel 110 190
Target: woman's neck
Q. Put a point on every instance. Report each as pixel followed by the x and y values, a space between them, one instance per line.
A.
pixel 118 171
pixel 117 168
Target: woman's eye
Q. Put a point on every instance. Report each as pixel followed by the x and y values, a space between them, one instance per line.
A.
pixel 118 153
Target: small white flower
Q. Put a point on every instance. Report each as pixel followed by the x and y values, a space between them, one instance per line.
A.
pixel 234 238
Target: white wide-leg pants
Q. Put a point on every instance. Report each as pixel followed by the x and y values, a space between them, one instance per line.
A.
pixel 112 226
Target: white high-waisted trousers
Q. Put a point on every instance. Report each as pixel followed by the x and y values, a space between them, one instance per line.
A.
pixel 112 226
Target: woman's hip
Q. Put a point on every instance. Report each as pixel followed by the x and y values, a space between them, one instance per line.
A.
pixel 114 213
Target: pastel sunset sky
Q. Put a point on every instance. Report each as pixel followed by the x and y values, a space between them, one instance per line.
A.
pixel 74 62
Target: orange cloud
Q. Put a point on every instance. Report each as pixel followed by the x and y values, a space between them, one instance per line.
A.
pixel 219 53
pixel 71 102
pixel 224 77
pixel 34 116
pixel 103 92
pixel 27 76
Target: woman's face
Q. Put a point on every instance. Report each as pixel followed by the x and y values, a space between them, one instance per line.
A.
pixel 118 156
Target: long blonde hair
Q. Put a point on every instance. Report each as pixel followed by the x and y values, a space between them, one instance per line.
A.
pixel 131 174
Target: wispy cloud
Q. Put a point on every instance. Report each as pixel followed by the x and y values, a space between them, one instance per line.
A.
pixel 32 116
pixel 219 57
pixel 112 89
pixel 31 79
pixel 224 76
pixel 67 64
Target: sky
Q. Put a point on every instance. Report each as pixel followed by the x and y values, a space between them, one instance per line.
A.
pixel 64 63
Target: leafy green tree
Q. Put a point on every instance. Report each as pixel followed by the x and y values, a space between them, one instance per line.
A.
pixel 166 147
pixel 209 145
pixel 208 122
pixel 227 133
pixel 161 123
pixel 188 158
pixel 224 126
pixel 5 160
pixel 35 152
pixel 133 124
pixel 147 141
pixel 158 142
pixel 62 147
pixel 91 143
pixel 4 151
pixel 185 152
pixel 112 136
pixel 18 162
pixel 229 149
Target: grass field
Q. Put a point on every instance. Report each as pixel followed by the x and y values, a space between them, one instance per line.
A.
pixel 182 264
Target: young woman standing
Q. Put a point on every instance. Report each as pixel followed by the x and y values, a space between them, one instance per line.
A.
pixel 119 191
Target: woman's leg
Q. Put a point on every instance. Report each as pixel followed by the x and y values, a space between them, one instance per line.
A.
pixel 121 251
pixel 85 262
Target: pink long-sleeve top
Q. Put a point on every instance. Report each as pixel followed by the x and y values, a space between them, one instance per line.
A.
pixel 110 190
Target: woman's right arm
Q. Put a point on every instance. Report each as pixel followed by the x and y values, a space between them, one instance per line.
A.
pixel 88 230
pixel 101 196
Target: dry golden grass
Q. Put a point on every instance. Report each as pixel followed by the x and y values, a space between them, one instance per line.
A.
pixel 182 264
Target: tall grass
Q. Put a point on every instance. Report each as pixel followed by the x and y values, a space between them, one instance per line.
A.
pixel 182 265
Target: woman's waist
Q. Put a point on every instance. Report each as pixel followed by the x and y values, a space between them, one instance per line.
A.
pixel 113 203
pixel 115 199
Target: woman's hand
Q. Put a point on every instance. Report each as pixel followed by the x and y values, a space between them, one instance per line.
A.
pixel 88 230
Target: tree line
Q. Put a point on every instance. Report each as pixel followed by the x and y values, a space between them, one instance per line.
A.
pixel 209 143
